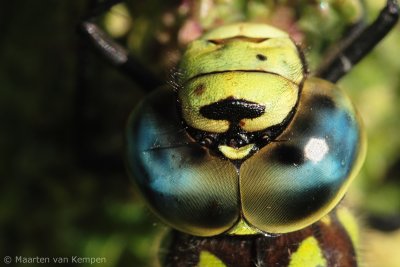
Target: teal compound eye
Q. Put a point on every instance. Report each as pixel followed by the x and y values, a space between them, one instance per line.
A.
pixel 281 150
pixel 300 178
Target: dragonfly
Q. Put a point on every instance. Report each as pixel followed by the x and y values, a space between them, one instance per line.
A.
pixel 247 153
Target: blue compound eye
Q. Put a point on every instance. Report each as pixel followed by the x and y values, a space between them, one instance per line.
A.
pixel 296 180
pixel 184 185
pixel 287 185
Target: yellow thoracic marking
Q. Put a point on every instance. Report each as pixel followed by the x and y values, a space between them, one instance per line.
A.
pixel 209 260
pixel 235 153
pixel 350 224
pixel 308 254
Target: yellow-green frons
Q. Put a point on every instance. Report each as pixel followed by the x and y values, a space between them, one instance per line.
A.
pixel 249 47
pixel 277 94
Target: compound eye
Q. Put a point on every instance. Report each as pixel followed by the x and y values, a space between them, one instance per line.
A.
pixel 185 186
pixel 291 184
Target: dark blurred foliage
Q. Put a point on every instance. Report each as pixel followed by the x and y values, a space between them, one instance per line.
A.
pixel 64 189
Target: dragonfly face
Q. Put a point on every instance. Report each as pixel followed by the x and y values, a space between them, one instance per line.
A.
pixel 251 139
pixel 240 86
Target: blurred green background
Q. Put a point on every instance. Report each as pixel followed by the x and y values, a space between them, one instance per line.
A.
pixel 64 190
